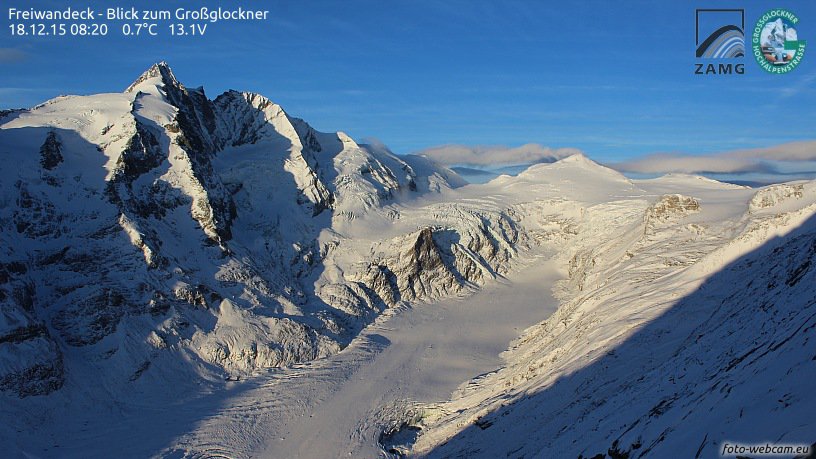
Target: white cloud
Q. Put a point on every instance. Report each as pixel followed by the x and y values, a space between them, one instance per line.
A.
pixel 495 155
pixel 665 163
pixel 730 162
pixel 793 151
pixel 11 55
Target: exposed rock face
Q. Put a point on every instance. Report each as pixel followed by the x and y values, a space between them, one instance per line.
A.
pixel 775 194
pixel 383 283
pixel 670 207
pixel 94 316
pixel 50 152
pixel 5 113
pixel 435 262
pixel 30 361
pixel 142 153
pixel 422 271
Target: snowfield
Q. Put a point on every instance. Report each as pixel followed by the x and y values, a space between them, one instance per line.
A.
pixel 183 277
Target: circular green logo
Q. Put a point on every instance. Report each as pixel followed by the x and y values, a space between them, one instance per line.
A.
pixel 777 47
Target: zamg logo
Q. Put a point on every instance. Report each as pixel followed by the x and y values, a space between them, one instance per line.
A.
pixel 776 45
pixel 719 35
pixel 725 38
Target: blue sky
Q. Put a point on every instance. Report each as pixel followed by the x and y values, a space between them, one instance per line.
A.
pixel 614 79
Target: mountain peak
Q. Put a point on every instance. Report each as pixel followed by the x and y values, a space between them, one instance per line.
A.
pixel 159 71
pixel 576 158
pixel 576 168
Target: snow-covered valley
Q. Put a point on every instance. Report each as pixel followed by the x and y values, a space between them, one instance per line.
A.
pixel 186 277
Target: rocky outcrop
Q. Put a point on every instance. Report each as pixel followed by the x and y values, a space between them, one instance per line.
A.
pixel 670 208
pixel 94 315
pixel 424 270
pixel 142 153
pixel 51 152
pixel 435 262
pixel 772 195
pixel 382 282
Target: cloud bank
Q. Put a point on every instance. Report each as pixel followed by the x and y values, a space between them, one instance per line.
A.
pixel 759 160
pixel 776 163
pixel 495 155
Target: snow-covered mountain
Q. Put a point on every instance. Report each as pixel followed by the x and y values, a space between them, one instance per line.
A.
pixel 159 221
pixel 179 276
